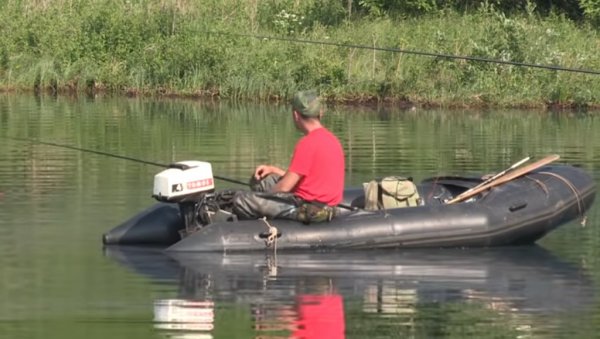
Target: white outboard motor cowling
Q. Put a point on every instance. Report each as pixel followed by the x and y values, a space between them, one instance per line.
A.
pixel 184 181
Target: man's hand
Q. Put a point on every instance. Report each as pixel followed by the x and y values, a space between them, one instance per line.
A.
pixel 264 170
pixel 288 180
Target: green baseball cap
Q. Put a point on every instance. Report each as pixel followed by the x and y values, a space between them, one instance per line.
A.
pixel 307 103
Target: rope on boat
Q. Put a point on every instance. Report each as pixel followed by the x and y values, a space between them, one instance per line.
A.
pixel 272 237
pixel 540 183
pixel 577 195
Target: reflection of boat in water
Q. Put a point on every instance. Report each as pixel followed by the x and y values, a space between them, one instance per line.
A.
pixel 522 279
pixel 182 314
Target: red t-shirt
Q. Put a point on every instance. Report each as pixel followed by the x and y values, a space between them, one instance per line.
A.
pixel 319 160
pixel 320 316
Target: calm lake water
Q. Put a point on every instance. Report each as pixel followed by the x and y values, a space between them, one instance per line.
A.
pixel 57 280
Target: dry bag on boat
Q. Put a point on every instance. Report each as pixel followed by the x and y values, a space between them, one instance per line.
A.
pixel 390 192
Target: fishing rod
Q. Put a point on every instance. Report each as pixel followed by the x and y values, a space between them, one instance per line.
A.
pixel 112 155
pixel 413 52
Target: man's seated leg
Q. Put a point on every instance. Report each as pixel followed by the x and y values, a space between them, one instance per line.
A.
pixel 254 205
pixel 265 184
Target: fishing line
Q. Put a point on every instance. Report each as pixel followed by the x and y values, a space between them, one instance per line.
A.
pixel 112 155
pixel 406 51
pixel 48 143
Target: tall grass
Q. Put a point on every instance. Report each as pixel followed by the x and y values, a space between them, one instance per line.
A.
pixel 170 47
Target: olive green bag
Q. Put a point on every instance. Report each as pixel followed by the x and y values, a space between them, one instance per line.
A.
pixel 390 192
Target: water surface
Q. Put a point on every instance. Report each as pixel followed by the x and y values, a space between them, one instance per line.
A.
pixel 56 280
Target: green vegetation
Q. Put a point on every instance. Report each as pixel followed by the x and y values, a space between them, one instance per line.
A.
pixel 206 48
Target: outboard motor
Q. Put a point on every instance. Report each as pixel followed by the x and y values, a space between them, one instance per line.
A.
pixel 190 184
pixel 184 181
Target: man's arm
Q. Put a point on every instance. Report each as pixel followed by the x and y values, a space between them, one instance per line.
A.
pixel 287 182
pixel 264 170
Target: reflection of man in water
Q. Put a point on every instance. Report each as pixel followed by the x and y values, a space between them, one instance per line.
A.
pixel 316 314
pixel 320 316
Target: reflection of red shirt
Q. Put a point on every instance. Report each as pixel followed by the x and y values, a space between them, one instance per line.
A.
pixel 319 159
pixel 320 316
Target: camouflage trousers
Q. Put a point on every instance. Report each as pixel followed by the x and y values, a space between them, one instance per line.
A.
pixel 260 202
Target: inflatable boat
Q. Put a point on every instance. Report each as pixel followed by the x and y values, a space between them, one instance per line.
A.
pixel 515 208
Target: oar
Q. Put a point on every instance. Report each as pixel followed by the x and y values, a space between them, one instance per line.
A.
pixel 507 177
pixel 113 156
pixel 467 192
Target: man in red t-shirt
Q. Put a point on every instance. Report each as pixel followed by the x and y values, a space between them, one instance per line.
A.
pixel 314 182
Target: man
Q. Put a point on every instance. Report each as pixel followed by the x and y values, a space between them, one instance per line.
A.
pixel 314 182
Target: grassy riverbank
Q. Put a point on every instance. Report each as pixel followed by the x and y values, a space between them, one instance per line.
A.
pixel 170 48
